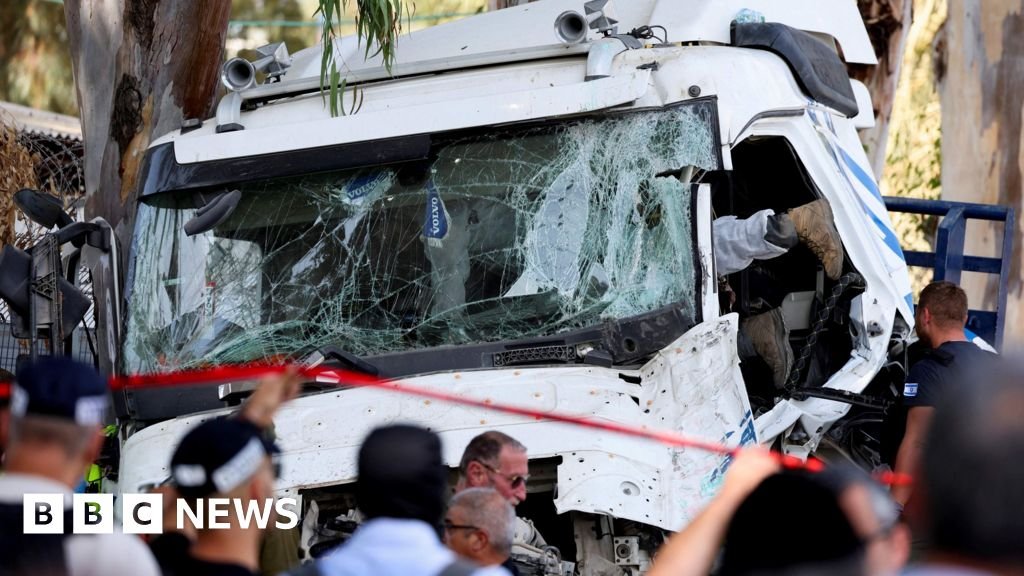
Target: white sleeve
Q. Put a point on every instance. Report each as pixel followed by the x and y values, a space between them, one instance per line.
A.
pixel 491 571
pixel 526 533
pixel 109 555
pixel 739 242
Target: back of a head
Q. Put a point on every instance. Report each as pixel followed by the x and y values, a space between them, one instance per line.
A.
pixel 973 469
pixel 946 302
pixel 218 456
pixel 401 475
pixel 791 523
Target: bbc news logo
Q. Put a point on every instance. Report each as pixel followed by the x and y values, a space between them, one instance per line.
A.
pixel 144 513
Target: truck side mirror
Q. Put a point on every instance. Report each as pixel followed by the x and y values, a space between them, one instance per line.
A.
pixel 43 209
pixel 15 290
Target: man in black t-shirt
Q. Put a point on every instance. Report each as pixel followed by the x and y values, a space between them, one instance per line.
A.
pixel 951 361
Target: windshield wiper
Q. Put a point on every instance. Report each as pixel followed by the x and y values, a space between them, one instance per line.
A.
pixel 335 355
pixel 612 342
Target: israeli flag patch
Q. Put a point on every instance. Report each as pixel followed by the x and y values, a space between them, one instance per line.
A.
pixel 910 390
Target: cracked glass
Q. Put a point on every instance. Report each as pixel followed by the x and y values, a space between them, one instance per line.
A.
pixel 511 234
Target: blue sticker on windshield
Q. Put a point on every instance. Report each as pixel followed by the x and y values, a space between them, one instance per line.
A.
pixel 435 224
pixel 362 185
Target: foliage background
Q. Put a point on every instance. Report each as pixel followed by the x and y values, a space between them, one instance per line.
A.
pixel 35 67
pixel 913 160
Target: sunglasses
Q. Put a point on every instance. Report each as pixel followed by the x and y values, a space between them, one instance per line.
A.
pixel 515 481
pixel 449 526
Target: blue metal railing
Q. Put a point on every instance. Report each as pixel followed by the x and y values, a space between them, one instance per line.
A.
pixel 949 261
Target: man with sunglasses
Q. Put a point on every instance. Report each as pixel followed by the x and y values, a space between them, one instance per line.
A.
pixel 480 526
pixel 496 460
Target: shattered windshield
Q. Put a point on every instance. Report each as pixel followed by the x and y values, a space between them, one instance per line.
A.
pixel 516 233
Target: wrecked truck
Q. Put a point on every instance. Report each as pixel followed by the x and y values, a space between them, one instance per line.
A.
pixel 521 211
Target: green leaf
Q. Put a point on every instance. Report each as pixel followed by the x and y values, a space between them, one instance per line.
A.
pixel 378 23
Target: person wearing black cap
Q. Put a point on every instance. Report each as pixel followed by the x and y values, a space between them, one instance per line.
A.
pixel 401 493
pixel 230 458
pixel 56 414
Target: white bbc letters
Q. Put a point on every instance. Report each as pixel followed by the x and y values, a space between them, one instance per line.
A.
pixel 43 514
pixel 195 517
pixel 287 508
pixel 142 513
pixel 93 514
pixel 218 508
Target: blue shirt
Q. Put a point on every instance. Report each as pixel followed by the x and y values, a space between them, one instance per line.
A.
pixel 393 547
pixel 943 369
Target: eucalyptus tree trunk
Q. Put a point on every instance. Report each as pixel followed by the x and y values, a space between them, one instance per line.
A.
pixel 888 23
pixel 140 67
pixel 981 80
pixel 499 4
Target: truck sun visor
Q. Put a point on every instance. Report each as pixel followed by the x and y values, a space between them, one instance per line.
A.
pixel 817 67
pixel 165 173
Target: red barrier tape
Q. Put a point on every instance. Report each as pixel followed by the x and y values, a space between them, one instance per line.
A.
pixel 222 374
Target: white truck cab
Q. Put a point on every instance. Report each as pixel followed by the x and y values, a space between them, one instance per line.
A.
pixel 522 212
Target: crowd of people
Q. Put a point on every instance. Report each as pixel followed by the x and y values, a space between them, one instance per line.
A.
pixel 963 514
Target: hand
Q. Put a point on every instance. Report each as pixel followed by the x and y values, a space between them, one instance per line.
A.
pixel 692 551
pixel 272 392
pixel 749 468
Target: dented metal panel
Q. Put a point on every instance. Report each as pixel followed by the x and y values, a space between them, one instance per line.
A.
pixel 694 386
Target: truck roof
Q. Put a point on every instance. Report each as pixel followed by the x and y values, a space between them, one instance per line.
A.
pixel 508 43
pixel 528 32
